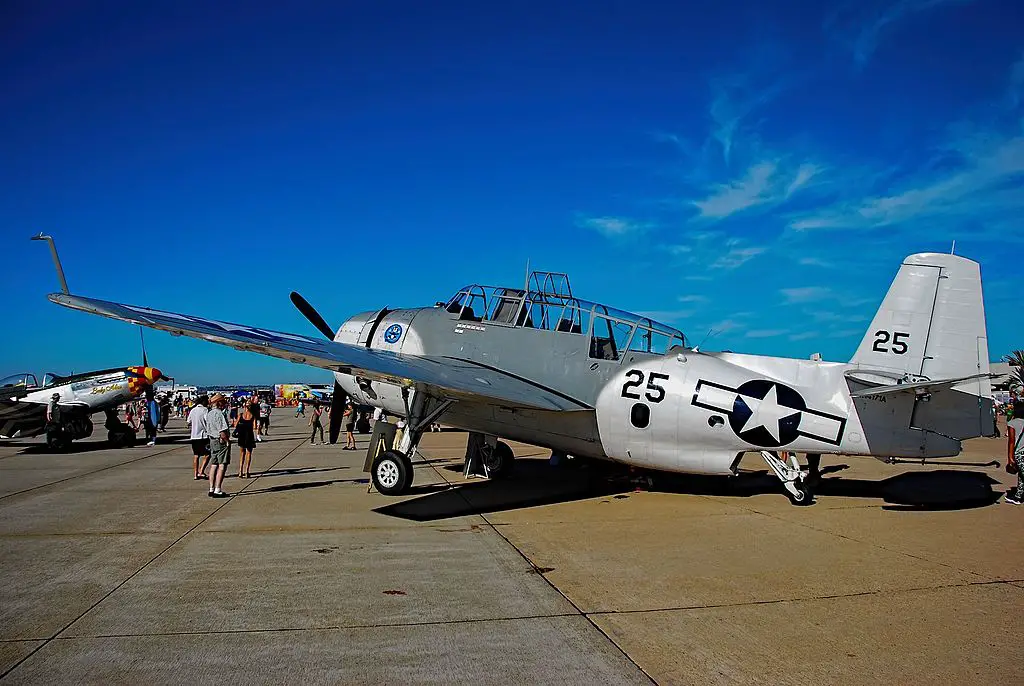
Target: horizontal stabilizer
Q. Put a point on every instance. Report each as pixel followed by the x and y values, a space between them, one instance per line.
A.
pixel 918 387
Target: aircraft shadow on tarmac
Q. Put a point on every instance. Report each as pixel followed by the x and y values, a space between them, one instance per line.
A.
pixel 535 483
pixel 39 448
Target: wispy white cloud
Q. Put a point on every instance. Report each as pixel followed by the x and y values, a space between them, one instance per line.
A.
pixel 613 227
pixel 692 298
pixel 806 294
pixel 814 262
pixel 764 185
pixel 737 257
pixel 765 333
pixel 981 178
pixel 861 25
pixel 804 335
pixel 726 199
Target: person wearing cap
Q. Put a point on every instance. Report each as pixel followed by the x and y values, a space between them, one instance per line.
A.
pixel 53 410
pixel 220 444
pixel 200 439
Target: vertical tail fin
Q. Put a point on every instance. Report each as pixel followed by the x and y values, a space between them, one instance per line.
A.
pixel 931 323
pixel 931 326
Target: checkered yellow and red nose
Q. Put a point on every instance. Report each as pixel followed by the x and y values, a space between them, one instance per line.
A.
pixel 141 377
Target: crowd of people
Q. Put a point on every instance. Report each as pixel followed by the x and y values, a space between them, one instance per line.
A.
pixel 213 423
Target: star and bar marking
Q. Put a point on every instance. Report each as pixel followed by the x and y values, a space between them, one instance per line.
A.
pixel 768 414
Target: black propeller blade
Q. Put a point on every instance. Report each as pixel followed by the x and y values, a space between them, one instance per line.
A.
pixel 337 413
pixel 145 362
pixel 338 401
pixel 307 310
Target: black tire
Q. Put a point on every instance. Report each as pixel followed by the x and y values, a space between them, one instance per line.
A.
pixel 499 462
pixel 805 497
pixel 121 439
pixel 391 473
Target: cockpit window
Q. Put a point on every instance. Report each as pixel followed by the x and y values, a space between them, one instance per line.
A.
pixel 555 309
pixel 27 380
pixel 609 336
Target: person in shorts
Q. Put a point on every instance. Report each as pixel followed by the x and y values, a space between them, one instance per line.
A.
pixel 264 417
pixel 220 444
pixel 200 439
pixel 1015 452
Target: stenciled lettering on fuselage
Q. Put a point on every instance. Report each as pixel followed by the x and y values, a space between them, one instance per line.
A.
pixel 461 328
pixel 100 390
pixel 768 414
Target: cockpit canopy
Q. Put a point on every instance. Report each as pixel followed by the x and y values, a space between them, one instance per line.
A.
pixel 550 305
pixel 26 380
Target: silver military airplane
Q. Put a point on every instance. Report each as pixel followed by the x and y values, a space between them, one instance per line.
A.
pixel 538 365
pixel 24 403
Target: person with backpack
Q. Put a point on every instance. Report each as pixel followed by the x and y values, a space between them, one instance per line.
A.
pixel 1015 452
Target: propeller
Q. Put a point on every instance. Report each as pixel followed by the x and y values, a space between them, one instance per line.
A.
pixel 339 397
pixel 142 337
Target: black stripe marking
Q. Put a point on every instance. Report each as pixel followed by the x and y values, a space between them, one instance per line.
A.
pixel 561 395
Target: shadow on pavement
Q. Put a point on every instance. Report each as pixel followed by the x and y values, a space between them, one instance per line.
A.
pixel 301 486
pixel 536 483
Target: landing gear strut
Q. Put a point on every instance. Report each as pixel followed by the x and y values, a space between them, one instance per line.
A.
pixel 391 472
pixel 794 480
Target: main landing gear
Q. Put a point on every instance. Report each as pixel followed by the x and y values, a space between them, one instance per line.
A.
pixel 119 434
pixel 798 483
pixel 391 471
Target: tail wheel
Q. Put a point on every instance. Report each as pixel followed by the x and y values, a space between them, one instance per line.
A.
pixel 391 473
pixel 803 495
pixel 498 461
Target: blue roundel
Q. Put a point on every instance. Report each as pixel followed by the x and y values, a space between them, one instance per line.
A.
pixel 393 333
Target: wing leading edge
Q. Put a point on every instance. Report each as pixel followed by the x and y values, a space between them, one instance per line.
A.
pixel 455 378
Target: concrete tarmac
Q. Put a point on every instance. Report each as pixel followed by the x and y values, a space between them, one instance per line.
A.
pixel 117 568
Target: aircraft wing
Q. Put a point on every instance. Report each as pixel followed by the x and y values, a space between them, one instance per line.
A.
pixel 918 387
pixel 454 378
pixel 19 419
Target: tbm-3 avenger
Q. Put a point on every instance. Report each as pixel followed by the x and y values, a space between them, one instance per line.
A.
pixel 538 365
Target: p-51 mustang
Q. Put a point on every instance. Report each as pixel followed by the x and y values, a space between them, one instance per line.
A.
pixel 24 403
pixel 538 365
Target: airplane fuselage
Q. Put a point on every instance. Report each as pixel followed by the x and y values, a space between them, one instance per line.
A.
pixel 683 410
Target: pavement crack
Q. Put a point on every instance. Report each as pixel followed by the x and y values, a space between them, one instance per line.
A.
pixel 144 566
pixel 533 566
pixel 94 471
pixel 833 596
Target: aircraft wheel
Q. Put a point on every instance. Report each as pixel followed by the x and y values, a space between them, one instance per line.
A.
pixel 500 460
pixel 803 494
pixel 391 473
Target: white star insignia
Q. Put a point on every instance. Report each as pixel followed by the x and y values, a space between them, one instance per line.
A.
pixel 767 412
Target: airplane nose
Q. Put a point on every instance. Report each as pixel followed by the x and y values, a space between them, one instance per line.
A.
pixel 152 374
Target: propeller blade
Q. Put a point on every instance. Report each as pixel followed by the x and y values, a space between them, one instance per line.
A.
pixel 307 310
pixel 142 337
pixel 337 413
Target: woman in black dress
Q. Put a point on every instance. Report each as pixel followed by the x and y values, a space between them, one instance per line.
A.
pixel 246 441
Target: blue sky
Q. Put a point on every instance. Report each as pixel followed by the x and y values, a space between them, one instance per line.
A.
pixel 756 168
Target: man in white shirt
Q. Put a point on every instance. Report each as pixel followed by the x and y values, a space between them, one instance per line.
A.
pixel 220 444
pixel 200 439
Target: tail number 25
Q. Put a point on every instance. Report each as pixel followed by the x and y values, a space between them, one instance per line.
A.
pixel 898 338
pixel 635 379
